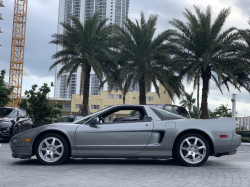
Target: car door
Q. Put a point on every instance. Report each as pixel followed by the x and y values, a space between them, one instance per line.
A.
pixel 113 139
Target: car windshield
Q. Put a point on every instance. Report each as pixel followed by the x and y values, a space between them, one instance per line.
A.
pixel 8 112
pixel 86 118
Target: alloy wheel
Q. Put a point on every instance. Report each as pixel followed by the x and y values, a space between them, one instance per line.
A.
pixel 51 149
pixel 193 150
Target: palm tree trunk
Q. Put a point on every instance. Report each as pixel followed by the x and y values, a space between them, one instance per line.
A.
pixel 142 89
pixel 204 113
pixel 124 99
pixel 85 103
pixel 205 75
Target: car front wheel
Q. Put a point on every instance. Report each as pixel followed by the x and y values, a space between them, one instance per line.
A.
pixel 51 149
pixel 192 150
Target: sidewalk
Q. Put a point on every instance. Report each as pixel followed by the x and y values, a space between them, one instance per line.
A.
pixel 245 143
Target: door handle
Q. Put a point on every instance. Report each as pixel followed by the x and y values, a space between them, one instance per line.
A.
pixel 146 125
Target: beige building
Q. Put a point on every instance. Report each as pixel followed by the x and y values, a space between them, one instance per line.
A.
pixel 106 99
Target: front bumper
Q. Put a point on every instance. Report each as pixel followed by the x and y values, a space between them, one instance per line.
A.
pixel 21 152
pixel 4 136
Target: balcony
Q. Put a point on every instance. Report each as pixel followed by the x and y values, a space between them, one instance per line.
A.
pixel 1 4
pixel 1 17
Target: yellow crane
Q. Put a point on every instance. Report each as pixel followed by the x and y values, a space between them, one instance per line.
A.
pixel 17 50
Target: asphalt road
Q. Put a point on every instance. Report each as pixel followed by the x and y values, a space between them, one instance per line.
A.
pixel 224 171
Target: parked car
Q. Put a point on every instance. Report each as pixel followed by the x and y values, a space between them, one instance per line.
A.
pixel 179 110
pixel 13 121
pixel 158 134
pixel 68 118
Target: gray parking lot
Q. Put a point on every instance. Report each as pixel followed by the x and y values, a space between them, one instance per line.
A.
pixel 224 171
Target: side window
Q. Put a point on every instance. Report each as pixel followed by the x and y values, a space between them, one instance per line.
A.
pixel 124 115
pixel 165 115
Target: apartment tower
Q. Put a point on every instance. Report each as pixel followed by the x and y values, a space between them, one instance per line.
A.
pixel 116 10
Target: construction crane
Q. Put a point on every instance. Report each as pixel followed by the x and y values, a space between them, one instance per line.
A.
pixel 17 50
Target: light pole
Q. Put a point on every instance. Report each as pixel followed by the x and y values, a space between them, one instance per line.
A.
pixel 234 106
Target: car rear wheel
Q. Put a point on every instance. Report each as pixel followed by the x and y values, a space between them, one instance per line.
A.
pixel 192 150
pixel 51 149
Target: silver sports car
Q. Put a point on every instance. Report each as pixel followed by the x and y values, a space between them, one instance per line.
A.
pixel 155 133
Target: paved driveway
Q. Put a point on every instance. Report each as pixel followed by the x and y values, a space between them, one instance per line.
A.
pixel 224 171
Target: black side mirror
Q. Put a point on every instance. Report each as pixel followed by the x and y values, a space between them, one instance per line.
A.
pixel 94 122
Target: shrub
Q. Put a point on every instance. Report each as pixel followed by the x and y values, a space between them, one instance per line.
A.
pixel 245 139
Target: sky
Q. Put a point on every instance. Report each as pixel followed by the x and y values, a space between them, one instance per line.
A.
pixel 42 22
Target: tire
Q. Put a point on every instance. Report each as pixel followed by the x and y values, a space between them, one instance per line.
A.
pixel 192 154
pixel 15 131
pixel 51 149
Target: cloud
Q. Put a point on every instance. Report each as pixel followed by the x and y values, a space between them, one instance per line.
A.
pixel 41 24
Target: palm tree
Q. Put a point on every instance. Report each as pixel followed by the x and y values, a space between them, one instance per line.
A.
pixel 188 102
pixel 199 46
pixel 194 113
pixel 245 34
pixel 223 111
pixel 84 46
pixel 144 59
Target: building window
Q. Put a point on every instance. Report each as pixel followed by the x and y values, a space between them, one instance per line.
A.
pixel 95 106
pixel 66 106
pixel 78 105
pixel 106 106
pixel 110 96
pixel 150 99
pixel 118 96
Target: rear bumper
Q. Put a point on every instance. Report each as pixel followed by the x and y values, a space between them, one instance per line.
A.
pixel 224 154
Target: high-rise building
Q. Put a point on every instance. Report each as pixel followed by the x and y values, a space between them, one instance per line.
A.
pixel 115 10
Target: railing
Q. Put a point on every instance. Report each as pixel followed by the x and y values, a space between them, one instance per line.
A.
pixel 65 109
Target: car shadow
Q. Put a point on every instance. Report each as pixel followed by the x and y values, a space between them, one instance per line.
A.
pixel 4 141
pixel 99 161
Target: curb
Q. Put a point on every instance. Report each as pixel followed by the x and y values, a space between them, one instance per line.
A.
pixel 245 143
